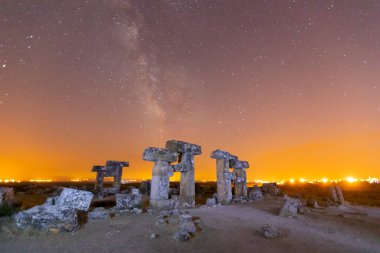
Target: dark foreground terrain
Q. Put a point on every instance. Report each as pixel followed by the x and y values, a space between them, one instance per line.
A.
pixel 232 228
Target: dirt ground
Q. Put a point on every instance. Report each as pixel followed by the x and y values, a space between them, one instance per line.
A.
pixel 221 229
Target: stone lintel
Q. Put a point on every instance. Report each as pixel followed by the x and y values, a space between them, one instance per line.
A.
pixel 238 164
pixel 183 147
pixel 159 154
pixel 113 163
pixel 219 154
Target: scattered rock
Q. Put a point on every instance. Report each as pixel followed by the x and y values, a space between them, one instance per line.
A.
pixel 270 231
pixel 136 211
pixel 185 218
pixel 75 199
pixel 128 201
pixel 6 196
pixel 312 203
pixel 182 236
pixel 99 213
pixel 161 221
pixel 291 207
pixel 189 227
pixel 153 235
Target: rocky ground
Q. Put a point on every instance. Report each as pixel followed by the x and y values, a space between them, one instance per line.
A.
pixel 232 228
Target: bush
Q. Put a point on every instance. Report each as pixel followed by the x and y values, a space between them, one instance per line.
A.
pixel 6 210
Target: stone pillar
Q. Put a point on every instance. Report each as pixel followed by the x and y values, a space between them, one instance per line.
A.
pixel 241 177
pixel 162 171
pixel 223 174
pixel 186 167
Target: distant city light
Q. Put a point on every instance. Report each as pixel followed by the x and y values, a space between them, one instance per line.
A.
pixel 351 180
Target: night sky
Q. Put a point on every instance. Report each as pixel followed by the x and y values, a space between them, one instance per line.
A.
pixel 291 86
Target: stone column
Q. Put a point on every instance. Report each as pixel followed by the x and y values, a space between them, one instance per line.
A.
pixel 186 167
pixel 241 177
pixel 162 171
pixel 116 170
pixel 223 174
pixel 99 178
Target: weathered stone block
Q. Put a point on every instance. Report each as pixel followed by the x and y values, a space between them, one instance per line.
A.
pixel 46 217
pixel 99 213
pixel 75 199
pixel 128 201
pixel 291 207
pixel 159 154
pixel 270 231
pixel 238 164
pixel 183 147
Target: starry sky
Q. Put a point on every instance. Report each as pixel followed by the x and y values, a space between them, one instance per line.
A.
pixel 291 86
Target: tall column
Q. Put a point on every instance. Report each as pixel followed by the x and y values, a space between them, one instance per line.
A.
pixel 223 174
pixel 241 177
pixel 162 171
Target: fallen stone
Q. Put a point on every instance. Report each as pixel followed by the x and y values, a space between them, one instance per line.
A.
pixel 270 231
pixel 185 218
pixel 312 203
pixel 182 236
pixel 46 217
pixel 161 221
pixel 128 201
pixel 75 199
pixel 189 227
pixel 99 213
pixel 6 196
pixel 291 207
pixel 136 211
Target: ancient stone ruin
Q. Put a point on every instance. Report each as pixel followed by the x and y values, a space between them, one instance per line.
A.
pixel 224 176
pixel 162 171
pixel 112 169
pixel 185 165
pixel 240 177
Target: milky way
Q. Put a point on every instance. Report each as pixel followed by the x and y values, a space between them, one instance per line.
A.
pixel 291 86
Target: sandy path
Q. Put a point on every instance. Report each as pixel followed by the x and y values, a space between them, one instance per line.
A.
pixel 222 229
